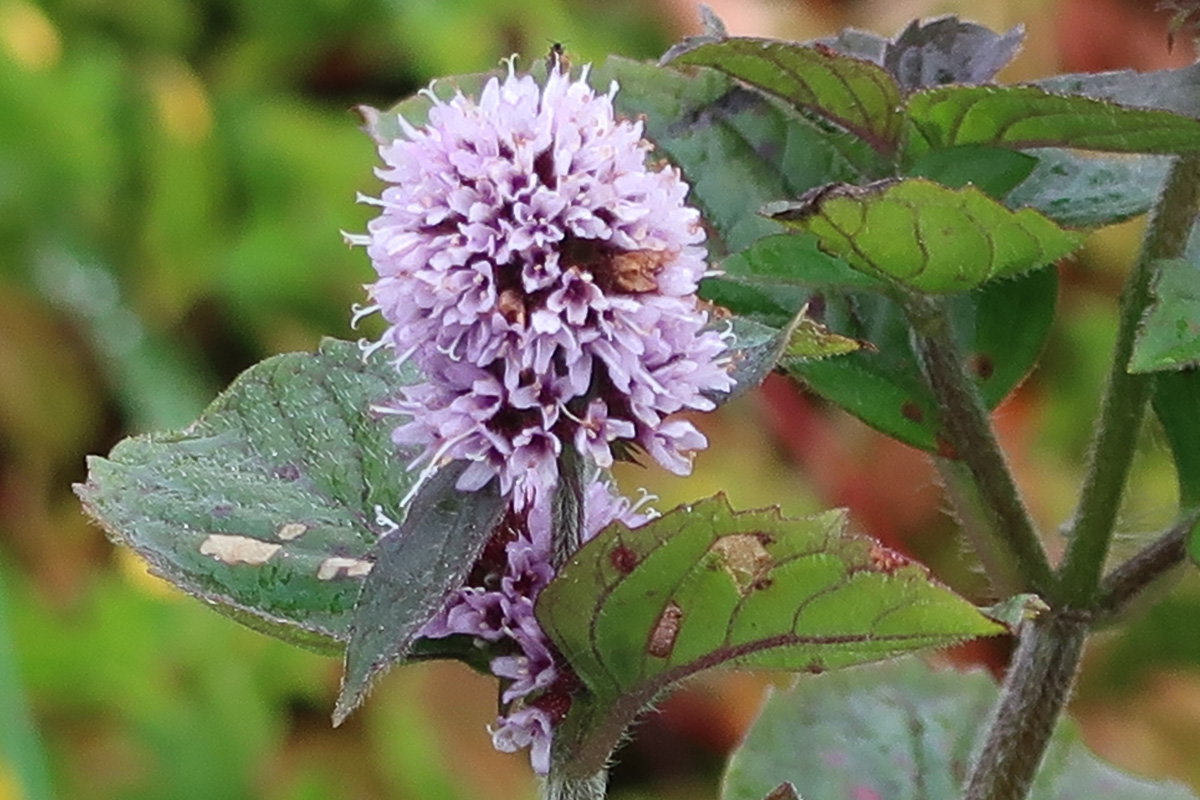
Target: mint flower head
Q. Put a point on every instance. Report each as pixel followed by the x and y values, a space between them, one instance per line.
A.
pixel 543 278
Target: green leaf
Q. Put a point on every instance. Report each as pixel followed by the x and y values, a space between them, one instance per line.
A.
pixel 1085 190
pixel 903 731
pixel 810 340
pixel 794 260
pixel 1177 405
pixel 995 170
pixel 1000 329
pixel 856 95
pixel 635 612
pixel 1029 116
pixel 417 568
pixel 925 236
pixel 736 149
pixel 772 305
pixel 266 507
pixel 1169 338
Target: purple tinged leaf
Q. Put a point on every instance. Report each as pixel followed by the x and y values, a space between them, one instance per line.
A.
pixel 1030 116
pixel 856 95
pixel 416 569
pixel 947 50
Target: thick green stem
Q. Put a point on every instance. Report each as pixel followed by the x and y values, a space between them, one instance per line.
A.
pixel 967 430
pixel 1043 669
pixel 1123 404
pixel 1035 690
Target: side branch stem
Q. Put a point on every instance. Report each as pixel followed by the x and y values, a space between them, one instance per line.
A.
pixel 968 432
pixel 1123 404
pixel 1121 586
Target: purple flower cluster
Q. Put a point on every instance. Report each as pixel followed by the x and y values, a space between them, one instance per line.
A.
pixel 543 280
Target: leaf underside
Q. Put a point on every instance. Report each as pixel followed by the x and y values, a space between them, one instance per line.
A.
pixel 902 731
pixel 266 506
pixel 417 568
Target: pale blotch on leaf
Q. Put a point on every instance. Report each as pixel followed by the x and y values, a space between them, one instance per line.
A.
pixel 291 530
pixel 230 549
pixel 662 638
pixel 339 567
pixel 744 558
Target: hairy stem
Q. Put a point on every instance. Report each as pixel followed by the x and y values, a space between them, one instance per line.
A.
pixel 1121 586
pixel 1123 404
pixel 567 508
pixel 558 786
pixel 1043 669
pixel 967 431
pixel 1035 690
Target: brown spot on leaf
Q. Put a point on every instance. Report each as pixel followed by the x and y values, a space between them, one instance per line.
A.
pixel 339 567
pixel 912 412
pixel 662 638
pixel 886 560
pixel 744 558
pixel 288 472
pixel 291 530
pixel 944 448
pixel 981 365
pixel 623 559
pixel 230 549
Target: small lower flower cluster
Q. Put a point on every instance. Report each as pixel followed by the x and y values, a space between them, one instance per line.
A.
pixel 496 605
pixel 543 279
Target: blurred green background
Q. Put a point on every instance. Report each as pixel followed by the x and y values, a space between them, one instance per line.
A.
pixel 173 177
